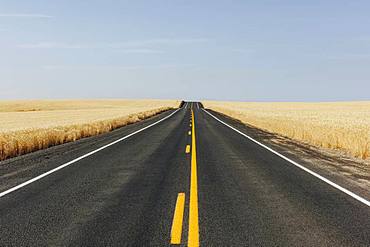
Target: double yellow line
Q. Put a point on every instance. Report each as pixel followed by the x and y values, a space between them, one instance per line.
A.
pixel 193 233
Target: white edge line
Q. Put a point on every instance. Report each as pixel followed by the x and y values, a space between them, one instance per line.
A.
pixel 351 194
pixel 81 157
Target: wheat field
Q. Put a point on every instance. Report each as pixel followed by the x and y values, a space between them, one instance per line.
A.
pixel 30 125
pixel 341 126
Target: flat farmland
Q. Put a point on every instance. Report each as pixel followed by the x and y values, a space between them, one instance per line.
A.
pixel 30 125
pixel 343 126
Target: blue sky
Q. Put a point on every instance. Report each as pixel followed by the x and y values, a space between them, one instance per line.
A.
pixel 225 50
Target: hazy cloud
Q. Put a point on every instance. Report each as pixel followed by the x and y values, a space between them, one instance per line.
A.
pixel 50 45
pixel 26 15
pixel 142 51
pixel 143 46
pixel 89 67
pixel 114 67
pixel 239 50
pixel 348 56
pixel 155 42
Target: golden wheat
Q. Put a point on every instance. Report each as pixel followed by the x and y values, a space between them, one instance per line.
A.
pixel 27 126
pixel 336 125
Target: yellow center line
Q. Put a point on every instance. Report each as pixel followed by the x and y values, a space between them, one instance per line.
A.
pixel 176 229
pixel 187 150
pixel 193 234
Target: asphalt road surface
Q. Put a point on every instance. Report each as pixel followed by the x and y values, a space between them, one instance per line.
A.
pixel 183 180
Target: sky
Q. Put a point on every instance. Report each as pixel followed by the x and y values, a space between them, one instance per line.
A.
pixel 313 50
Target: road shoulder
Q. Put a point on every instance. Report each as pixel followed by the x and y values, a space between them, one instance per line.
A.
pixel 16 170
pixel 351 173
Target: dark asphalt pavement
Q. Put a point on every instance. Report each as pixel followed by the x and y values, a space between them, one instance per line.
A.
pixel 125 195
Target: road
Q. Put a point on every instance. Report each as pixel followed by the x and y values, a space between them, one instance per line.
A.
pixel 184 180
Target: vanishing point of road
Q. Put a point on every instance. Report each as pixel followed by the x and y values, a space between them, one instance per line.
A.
pixel 185 177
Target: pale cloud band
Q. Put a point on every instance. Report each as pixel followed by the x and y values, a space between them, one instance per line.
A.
pixel 152 42
pixel 115 67
pixel 141 46
pixel 15 15
pixel 142 51
pixel 51 45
